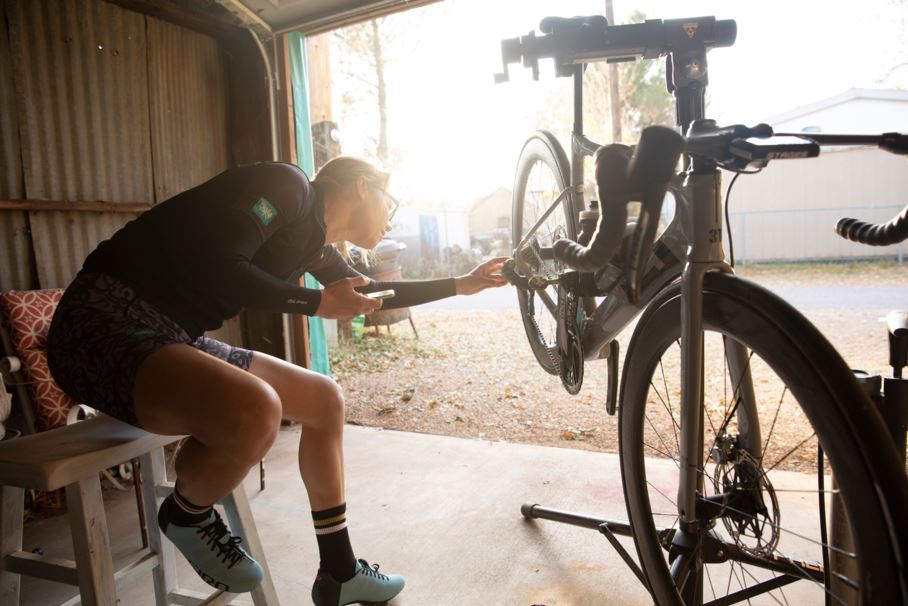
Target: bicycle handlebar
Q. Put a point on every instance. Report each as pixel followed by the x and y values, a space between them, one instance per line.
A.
pixel 875 234
pixel 583 39
pixel 620 179
pixel 739 146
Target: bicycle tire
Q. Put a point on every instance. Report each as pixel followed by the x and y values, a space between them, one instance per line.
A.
pixel 870 479
pixel 541 152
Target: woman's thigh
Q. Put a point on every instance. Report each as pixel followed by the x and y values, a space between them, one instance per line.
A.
pixel 181 390
pixel 307 397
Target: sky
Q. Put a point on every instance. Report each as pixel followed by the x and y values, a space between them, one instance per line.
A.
pixel 459 135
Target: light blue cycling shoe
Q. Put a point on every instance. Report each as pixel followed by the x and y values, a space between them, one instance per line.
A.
pixel 215 554
pixel 367 586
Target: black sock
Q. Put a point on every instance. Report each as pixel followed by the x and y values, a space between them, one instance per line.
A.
pixel 334 547
pixel 177 509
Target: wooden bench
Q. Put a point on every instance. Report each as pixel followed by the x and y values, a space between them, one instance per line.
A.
pixel 72 457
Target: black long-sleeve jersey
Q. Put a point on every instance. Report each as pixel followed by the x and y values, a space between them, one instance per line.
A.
pixel 240 240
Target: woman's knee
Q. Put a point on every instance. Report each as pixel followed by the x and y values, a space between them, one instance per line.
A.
pixel 252 420
pixel 329 409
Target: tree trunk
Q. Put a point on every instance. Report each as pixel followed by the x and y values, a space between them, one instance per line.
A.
pixel 382 151
pixel 614 99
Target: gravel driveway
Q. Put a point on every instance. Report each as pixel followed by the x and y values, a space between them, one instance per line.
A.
pixel 471 372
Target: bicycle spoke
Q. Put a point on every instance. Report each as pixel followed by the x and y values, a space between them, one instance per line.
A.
pixel 773 425
pixel 661 452
pixel 737 578
pixel 781 591
pixel 734 394
pixel 664 496
pixel 709 418
pixel 547 301
pixel 813 491
pixel 675 425
pixel 755 579
pixel 731 570
pixel 709 579
pixel 725 381
pixel 668 396
pixel 792 451
pixel 796 534
pixel 664 445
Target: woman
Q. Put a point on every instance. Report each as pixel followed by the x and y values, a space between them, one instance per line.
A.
pixel 127 338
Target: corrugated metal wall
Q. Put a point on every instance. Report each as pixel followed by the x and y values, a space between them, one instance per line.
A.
pixel 15 244
pixel 111 105
pixel 188 108
pixel 82 104
pixel 81 80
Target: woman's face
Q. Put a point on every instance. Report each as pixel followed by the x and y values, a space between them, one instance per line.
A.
pixel 369 220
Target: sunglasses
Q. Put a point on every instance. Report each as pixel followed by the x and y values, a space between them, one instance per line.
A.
pixel 391 203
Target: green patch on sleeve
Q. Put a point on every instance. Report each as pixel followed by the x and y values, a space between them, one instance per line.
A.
pixel 264 210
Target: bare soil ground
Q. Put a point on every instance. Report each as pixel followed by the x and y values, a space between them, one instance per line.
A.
pixel 472 374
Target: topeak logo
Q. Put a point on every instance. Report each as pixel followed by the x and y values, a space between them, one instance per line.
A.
pixel 690 29
pixel 264 210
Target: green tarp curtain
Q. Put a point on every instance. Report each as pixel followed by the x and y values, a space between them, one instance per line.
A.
pixel 318 344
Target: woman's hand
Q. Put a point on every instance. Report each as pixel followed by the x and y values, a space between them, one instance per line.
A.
pixel 485 275
pixel 341 302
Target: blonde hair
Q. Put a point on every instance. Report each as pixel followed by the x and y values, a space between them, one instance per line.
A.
pixel 342 171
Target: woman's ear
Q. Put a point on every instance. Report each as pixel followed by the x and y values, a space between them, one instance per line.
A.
pixel 361 187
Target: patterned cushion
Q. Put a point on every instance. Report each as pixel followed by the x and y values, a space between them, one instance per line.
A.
pixel 26 316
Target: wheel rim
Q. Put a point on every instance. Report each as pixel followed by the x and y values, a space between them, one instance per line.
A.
pixel 782 477
pixel 539 187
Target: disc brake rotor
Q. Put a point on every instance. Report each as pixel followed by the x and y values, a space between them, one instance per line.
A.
pixel 751 515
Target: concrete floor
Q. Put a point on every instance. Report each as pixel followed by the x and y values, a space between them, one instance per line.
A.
pixel 444 512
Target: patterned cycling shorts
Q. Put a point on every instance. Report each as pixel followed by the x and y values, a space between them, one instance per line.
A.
pixel 100 335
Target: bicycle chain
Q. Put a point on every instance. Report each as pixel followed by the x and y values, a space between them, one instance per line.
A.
pixel 556 363
pixel 568 365
pixel 571 369
pixel 550 350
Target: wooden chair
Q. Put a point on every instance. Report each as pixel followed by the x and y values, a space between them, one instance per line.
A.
pixel 72 457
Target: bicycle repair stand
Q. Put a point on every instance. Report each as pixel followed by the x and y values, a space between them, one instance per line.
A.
pixel 686 79
pixel 890 394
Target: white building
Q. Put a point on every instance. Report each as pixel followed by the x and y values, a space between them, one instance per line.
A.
pixel 857 110
pixel 788 211
pixel 428 231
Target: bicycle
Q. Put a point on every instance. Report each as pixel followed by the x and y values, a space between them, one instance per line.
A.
pixel 708 467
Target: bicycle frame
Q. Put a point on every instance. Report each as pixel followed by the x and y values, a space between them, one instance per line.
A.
pixel 689 247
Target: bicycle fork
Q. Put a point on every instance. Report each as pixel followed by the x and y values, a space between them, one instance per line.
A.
pixel 704 229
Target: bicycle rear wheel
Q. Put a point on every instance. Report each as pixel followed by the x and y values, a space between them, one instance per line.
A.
pixel 760 536
pixel 542 175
